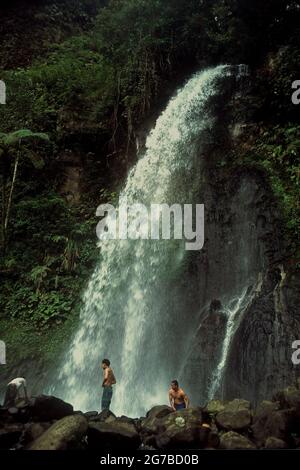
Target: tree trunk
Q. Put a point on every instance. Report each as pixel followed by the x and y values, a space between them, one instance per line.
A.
pixel 11 193
pixel 3 233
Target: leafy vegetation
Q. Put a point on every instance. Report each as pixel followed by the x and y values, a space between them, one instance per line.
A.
pixel 11 146
pixel 87 81
pixel 276 151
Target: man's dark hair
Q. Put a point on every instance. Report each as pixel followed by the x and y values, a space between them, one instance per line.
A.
pixel 175 382
pixel 106 362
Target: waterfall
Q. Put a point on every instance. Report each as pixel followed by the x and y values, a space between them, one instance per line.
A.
pixel 233 311
pixel 129 313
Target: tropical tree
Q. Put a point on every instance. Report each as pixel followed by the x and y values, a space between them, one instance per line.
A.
pixel 13 147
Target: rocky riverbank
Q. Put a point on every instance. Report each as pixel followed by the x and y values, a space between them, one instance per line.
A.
pixel 48 423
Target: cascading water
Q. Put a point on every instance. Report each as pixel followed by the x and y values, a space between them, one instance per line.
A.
pixel 233 312
pixel 128 314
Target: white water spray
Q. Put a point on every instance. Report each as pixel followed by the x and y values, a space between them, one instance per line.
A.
pixel 233 312
pixel 128 314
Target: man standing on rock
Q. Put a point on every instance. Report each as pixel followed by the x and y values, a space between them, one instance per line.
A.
pixel 178 398
pixel 108 381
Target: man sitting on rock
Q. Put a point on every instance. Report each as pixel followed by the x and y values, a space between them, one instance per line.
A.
pixel 108 381
pixel 178 398
pixel 13 392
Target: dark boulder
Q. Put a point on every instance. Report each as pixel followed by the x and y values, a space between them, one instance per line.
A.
pixel 65 434
pixel 182 430
pixel 159 411
pixel 213 440
pixel 275 443
pixel 154 419
pixel 234 441
pixel 215 406
pixel 173 438
pixel 288 398
pixel 277 424
pixel 33 431
pixel 10 435
pixel 47 408
pixel 236 416
pixel 91 414
pixel 264 408
pixel 106 416
pixel 126 420
pixel 115 435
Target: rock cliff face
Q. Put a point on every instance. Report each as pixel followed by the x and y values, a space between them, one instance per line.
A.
pixel 246 288
pixel 260 357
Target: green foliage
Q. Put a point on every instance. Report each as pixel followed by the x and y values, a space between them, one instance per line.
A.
pixel 16 137
pixel 279 150
pixel 91 90
pixel 276 151
pixel 274 85
pixel 30 29
pixel 37 275
pixel 11 142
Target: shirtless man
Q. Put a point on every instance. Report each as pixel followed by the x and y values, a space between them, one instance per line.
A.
pixel 108 381
pixel 178 399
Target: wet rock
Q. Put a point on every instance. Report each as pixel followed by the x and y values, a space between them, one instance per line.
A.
pixel 106 416
pixel 126 420
pixel 215 406
pixel 153 420
pixel 115 435
pixel 232 440
pixel 159 412
pixel 10 435
pixel 258 364
pixel 288 398
pixel 206 350
pixel 149 441
pixel 19 413
pixel 296 442
pixel 47 408
pixel 275 443
pixel 235 416
pixel 66 433
pixel 190 415
pixel 265 408
pixel 176 438
pixel 277 424
pixel 213 441
pixel 33 431
pixel 182 429
pixel 91 414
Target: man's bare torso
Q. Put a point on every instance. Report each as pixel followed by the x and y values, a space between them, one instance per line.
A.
pixel 109 377
pixel 178 396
